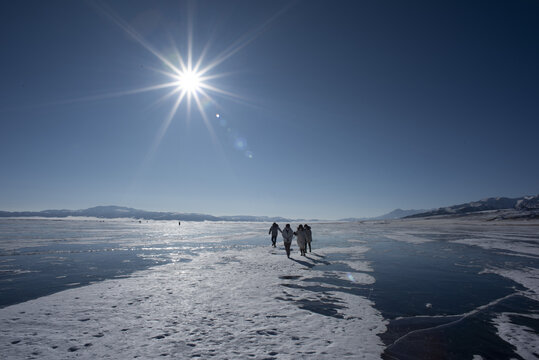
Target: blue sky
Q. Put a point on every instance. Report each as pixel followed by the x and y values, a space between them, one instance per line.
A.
pixel 332 108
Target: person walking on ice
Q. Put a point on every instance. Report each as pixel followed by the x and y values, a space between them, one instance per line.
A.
pixel 274 231
pixel 308 236
pixel 300 238
pixel 287 234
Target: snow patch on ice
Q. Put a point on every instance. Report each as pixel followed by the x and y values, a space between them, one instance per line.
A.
pixel 15 272
pixel 525 340
pixel 405 237
pixel 230 304
pixel 527 277
pixel 529 247
pixel 357 241
pixel 357 277
pixel 359 266
pixel 358 249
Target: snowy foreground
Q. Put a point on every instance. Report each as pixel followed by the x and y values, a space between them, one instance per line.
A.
pixel 230 304
pixel 225 294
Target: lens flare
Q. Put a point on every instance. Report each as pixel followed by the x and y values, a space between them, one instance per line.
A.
pixel 240 143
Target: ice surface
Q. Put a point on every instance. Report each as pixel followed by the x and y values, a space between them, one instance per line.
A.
pixel 237 298
pixel 20 233
pixel 229 304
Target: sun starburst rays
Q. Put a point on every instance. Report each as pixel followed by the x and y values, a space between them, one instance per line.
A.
pixel 186 73
pixel 189 82
pixel 188 76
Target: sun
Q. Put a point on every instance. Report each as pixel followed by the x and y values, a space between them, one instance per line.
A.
pixel 189 78
pixel 189 81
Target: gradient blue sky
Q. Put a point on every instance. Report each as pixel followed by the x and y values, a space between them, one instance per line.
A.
pixel 346 108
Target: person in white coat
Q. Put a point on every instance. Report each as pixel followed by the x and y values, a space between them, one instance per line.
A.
pixel 308 236
pixel 300 238
pixel 287 234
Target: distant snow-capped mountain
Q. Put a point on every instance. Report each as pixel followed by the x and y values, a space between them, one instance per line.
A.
pixel 525 203
pixel 113 212
pixel 398 214
pixel 395 214
pixel 528 203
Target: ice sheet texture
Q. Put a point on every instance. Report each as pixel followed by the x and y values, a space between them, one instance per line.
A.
pixel 230 304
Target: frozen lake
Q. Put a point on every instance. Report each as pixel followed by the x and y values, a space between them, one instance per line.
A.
pixel 86 288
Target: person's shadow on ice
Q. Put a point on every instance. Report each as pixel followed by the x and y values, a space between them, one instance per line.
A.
pixel 304 263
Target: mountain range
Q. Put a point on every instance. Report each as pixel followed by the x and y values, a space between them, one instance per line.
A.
pixel 395 214
pixel 521 204
pixel 528 204
pixel 114 212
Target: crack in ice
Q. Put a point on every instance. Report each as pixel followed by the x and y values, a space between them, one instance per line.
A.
pixel 451 323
